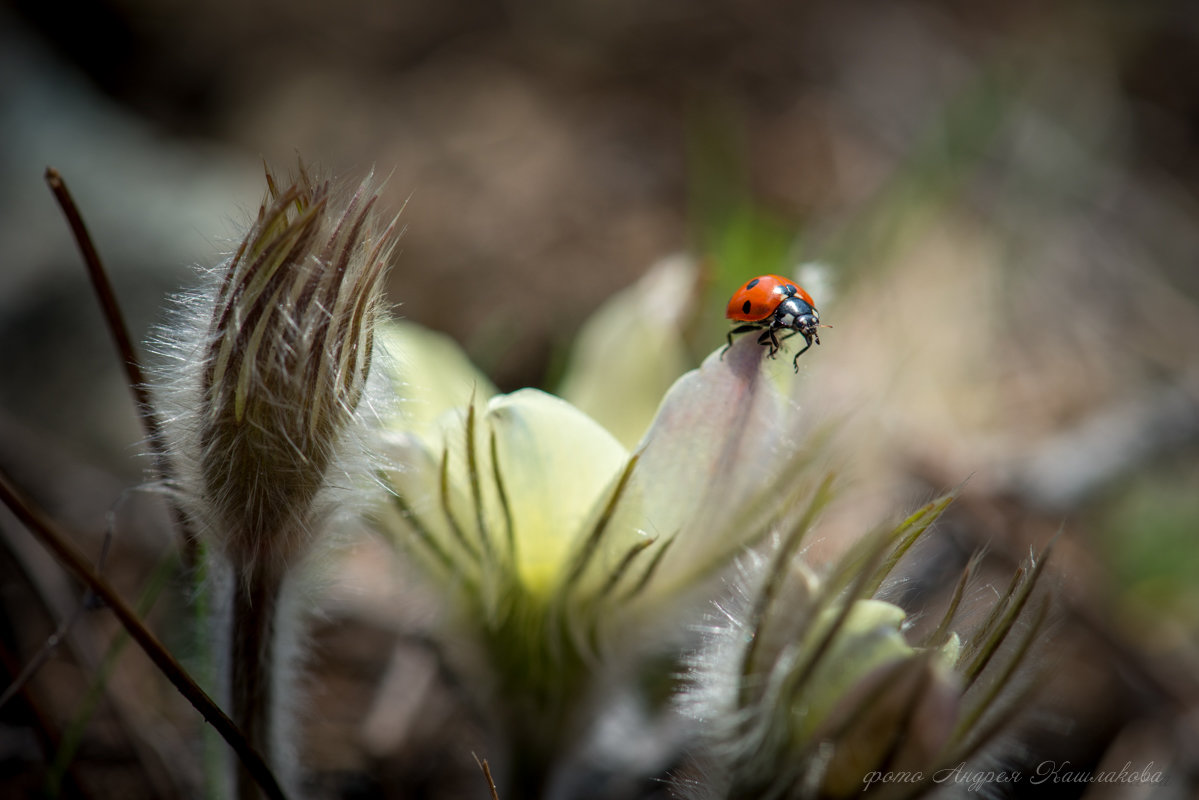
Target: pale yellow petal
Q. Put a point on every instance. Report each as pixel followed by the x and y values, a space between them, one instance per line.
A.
pixel 631 350
pixel 430 375
pixel 415 511
pixel 555 464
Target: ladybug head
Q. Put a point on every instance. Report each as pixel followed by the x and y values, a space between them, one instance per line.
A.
pixel 807 324
pixel 794 313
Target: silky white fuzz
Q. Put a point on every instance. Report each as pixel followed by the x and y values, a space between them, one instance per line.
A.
pixel 264 392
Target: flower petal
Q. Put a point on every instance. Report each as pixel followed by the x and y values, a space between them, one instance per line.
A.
pixel 555 464
pixel 899 717
pixel 630 351
pixel 869 638
pixel 707 466
pixel 430 375
pixel 416 512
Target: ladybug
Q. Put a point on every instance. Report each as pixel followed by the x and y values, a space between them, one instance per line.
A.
pixel 771 304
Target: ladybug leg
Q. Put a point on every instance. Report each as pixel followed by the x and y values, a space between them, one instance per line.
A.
pixel 803 350
pixel 739 329
pixel 768 337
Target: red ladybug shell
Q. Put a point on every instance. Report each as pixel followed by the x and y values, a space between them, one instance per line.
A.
pixel 757 299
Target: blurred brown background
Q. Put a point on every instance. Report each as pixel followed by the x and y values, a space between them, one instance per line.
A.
pixel 1005 196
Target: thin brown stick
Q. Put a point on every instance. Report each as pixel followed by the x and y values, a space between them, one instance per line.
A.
pixel 40 721
pixel 55 639
pixel 44 654
pixel 107 298
pixel 114 319
pixel 483 765
pixel 69 556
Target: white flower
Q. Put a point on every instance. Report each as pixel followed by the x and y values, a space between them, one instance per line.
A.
pixel 566 554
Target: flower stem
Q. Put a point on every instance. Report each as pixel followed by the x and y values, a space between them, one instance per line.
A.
pixel 255 603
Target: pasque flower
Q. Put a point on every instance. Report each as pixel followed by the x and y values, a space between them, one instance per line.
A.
pixel 811 687
pixel 264 385
pixel 569 561
pixel 561 550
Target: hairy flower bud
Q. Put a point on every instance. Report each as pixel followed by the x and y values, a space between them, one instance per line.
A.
pixel 271 361
pixel 285 365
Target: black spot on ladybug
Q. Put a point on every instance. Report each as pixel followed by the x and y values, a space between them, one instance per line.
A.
pixel 789 289
pixel 746 306
pixel 751 285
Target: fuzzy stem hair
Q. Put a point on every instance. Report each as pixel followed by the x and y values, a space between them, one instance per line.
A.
pixel 271 367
